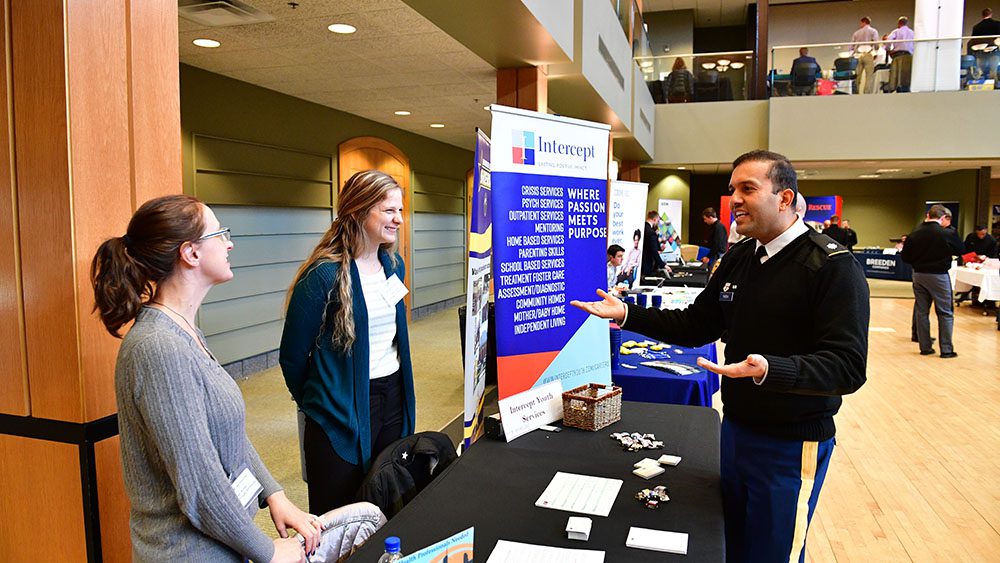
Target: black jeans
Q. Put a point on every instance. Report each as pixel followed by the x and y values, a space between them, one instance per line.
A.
pixel 334 482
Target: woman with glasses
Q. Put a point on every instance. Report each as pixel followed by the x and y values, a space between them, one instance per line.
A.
pixel 192 476
pixel 345 353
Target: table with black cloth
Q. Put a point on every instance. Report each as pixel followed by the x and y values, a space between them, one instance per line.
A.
pixel 494 485
pixel 884 266
pixel 656 386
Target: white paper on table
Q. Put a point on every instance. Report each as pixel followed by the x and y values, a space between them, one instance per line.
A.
pixel 580 493
pixel 516 552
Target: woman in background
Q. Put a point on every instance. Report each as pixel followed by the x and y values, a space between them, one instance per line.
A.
pixel 345 350
pixel 193 478
pixel 680 83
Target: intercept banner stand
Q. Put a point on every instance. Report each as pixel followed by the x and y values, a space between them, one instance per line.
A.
pixel 627 218
pixel 549 179
pixel 478 291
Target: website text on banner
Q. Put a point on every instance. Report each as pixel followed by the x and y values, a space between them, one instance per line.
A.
pixel 549 179
pixel 478 291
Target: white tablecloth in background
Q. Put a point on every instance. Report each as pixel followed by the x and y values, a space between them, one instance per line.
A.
pixel 988 282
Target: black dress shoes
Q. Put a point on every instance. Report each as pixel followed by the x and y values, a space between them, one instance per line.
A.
pixel 947 355
pixel 927 352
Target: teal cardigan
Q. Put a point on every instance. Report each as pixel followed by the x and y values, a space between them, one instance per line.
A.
pixel 329 386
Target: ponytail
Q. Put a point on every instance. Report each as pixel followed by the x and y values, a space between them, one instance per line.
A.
pixel 126 269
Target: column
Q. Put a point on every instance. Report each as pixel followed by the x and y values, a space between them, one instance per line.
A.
pixel 94 112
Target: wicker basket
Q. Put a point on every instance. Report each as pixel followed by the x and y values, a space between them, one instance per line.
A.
pixel 582 408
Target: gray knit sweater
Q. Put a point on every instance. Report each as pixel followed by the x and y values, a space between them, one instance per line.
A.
pixel 183 437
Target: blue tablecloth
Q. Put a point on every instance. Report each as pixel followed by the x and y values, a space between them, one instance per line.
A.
pixel 655 386
pixel 884 266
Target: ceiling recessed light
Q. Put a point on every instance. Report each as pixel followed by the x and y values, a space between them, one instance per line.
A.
pixel 682 168
pixel 888 170
pixel 868 176
pixel 207 43
pixel 437 125
pixel 645 64
pixel 402 112
pixel 342 28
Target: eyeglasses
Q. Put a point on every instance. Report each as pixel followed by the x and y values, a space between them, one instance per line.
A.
pixel 224 233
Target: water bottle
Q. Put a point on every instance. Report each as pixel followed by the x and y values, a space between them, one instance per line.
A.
pixel 391 550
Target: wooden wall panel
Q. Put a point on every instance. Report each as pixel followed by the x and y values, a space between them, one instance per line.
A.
pixel 113 505
pixel 44 208
pixel 155 99
pixel 14 375
pixel 101 174
pixel 42 502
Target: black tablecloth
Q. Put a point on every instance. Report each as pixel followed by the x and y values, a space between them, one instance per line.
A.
pixel 494 486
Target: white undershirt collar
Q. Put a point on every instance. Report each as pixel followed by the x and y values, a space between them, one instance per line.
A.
pixel 784 239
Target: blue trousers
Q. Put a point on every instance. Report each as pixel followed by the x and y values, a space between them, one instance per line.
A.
pixel 770 488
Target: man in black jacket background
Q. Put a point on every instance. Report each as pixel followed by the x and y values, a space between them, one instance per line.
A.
pixel 929 249
pixel 794 305
pixel 651 261
pixel 716 241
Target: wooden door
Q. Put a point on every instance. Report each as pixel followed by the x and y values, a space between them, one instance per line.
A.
pixel 371 153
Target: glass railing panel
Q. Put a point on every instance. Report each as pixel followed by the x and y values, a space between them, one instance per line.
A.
pixel 920 65
pixel 697 77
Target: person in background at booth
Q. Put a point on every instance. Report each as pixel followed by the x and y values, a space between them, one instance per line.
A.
pixel 901 52
pixel 835 231
pixel 630 269
pixel 679 84
pixel 616 255
pixel 794 306
pixel 345 349
pixel 929 249
pixel 980 242
pixel 987 62
pixel 194 480
pixel 866 61
pixel 716 241
pixel 852 236
pixel 651 261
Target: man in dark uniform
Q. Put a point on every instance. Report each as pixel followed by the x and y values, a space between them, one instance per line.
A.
pixel 794 306
pixel 835 231
pixel 852 236
pixel 651 261
pixel 716 241
pixel 981 243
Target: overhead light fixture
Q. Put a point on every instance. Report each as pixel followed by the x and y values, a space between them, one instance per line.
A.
pixel 646 64
pixel 868 176
pixel 844 55
pixel 207 43
pixel 401 112
pixel 722 68
pixel 738 66
pixel 437 125
pixel 708 66
pixel 724 62
pixel 682 168
pixel 343 28
pixel 888 170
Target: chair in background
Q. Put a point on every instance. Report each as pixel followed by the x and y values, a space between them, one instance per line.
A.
pixel 689 252
pixel 846 69
pixel 345 529
pixel 966 69
pixel 804 75
pixel 706 88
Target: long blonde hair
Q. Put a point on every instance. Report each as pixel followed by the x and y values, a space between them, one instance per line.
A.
pixel 342 242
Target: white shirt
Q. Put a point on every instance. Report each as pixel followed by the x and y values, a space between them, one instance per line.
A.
pixel 783 240
pixel 383 354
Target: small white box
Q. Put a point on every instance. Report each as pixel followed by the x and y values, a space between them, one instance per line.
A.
pixel 578 528
pixel 669 460
pixel 646 461
pixel 649 471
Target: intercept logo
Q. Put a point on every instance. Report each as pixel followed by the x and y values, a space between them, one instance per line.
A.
pixel 523 145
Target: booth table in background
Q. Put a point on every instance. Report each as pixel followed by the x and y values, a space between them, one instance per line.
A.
pixel 988 281
pixel 644 383
pixel 884 266
pixel 494 485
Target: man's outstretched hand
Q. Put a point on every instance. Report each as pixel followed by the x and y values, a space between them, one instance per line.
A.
pixel 610 308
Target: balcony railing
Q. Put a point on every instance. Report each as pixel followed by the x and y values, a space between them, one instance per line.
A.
pixel 697 77
pixel 917 65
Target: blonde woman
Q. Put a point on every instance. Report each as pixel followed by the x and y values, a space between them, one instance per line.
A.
pixel 345 352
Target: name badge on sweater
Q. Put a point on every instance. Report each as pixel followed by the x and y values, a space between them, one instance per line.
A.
pixel 394 290
pixel 247 487
pixel 726 296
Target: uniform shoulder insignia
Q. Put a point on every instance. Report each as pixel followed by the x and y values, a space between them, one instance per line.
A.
pixel 829 246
